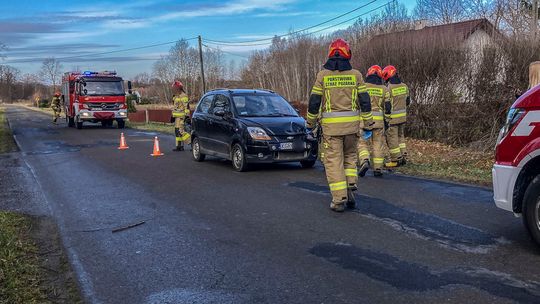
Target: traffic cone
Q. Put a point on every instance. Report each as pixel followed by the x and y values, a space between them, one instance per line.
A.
pixel 123 145
pixel 156 152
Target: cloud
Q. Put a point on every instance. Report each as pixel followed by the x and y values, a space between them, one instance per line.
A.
pixel 284 14
pixel 224 9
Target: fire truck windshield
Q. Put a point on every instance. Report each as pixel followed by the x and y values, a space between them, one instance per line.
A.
pixel 98 88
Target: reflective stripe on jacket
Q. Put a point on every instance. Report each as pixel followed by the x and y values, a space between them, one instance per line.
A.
pixel 339 113
pixel 399 94
pixel 379 94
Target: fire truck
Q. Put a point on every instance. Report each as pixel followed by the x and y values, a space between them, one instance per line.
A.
pixel 516 173
pixel 94 97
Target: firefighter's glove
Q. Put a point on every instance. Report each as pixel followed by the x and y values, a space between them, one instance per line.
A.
pixel 367 134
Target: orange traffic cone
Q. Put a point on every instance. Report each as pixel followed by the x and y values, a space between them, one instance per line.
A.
pixel 156 152
pixel 123 144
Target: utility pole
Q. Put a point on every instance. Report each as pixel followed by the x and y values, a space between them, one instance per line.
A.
pixel 535 19
pixel 202 65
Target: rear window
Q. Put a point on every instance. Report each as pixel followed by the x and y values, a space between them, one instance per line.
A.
pixel 262 105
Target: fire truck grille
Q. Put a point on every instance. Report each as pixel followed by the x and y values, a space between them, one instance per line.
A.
pixel 102 106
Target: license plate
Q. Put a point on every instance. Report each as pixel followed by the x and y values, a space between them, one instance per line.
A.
pixel 286 146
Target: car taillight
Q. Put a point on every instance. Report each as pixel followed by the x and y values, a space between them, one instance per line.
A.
pixel 514 115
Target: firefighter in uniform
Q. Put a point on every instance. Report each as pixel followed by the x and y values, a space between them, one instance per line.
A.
pixel 380 99
pixel 396 116
pixel 56 106
pixel 337 96
pixel 180 113
pixel 363 150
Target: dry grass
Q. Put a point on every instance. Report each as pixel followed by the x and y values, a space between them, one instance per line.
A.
pixel 436 160
pixel 7 144
pixel 154 127
pixel 20 273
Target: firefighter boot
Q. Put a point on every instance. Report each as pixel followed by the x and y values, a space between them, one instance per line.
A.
pixel 351 201
pixel 338 207
pixel 179 143
pixel 377 173
pixel 392 164
pixel 363 169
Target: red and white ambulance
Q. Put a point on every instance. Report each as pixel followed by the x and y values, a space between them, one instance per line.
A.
pixel 516 173
pixel 94 97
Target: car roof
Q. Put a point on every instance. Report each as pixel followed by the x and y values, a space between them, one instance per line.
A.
pixel 242 91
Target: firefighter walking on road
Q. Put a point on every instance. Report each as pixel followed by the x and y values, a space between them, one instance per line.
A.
pixel 56 106
pixel 338 96
pixel 180 113
pixel 380 100
pixel 396 116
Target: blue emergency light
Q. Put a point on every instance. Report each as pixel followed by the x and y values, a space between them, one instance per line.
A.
pixel 89 73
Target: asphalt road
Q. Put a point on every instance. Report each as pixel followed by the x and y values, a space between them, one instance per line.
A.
pixel 212 235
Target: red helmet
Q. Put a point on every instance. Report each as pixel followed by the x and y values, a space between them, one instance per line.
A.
pixel 375 70
pixel 178 84
pixel 56 94
pixel 389 72
pixel 340 47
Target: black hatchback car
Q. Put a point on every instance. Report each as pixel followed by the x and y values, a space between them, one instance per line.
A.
pixel 250 126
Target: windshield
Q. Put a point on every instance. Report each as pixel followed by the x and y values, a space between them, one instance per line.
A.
pixel 257 105
pixel 103 88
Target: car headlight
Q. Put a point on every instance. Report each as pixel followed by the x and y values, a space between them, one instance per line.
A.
pixel 514 115
pixel 258 133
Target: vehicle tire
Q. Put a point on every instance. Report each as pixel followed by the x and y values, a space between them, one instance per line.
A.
pixel 79 124
pixel 196 150
pixel 238 157
pixel 121 123
pixel 70 122
pixel 531 209
pixel 307 163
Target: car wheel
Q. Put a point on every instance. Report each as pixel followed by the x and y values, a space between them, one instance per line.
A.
pixel 307 163
pixel 196 150
pixel 239 158
pixel 531 209
pixel 121 123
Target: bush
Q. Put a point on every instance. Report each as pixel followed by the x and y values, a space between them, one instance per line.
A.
pixel 130 100
pixel 44 103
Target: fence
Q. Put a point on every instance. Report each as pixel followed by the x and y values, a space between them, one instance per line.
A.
pixel 155 115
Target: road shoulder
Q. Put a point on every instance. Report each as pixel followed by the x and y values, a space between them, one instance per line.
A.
pixel 34 267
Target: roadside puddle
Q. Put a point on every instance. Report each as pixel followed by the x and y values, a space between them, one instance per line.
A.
pixel 444 232
pixel 55 147
pixel 414 277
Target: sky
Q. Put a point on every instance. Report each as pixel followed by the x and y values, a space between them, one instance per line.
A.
pixel 69 30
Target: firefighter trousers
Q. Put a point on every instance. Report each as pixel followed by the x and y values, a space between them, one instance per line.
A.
pixel 401 135
pixel 56 114
pixel 180 132
pixel 378 142
pixel 363 148
pixel 340 158
pixel 392 139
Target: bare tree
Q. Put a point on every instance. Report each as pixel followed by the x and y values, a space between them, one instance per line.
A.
pixel 8 78
pixel 51 71
pixel 441 11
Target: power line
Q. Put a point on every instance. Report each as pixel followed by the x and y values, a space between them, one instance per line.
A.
pixel 298 31
pixel 220 50
pixel 304 34
pixel 105 53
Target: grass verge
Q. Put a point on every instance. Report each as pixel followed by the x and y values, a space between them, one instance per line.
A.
pixel 20 273
pixel 7 144
pixel 154 127
pixel 440 161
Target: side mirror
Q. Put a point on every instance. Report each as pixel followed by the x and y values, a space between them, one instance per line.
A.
pixel 297 111
pixel 129 88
